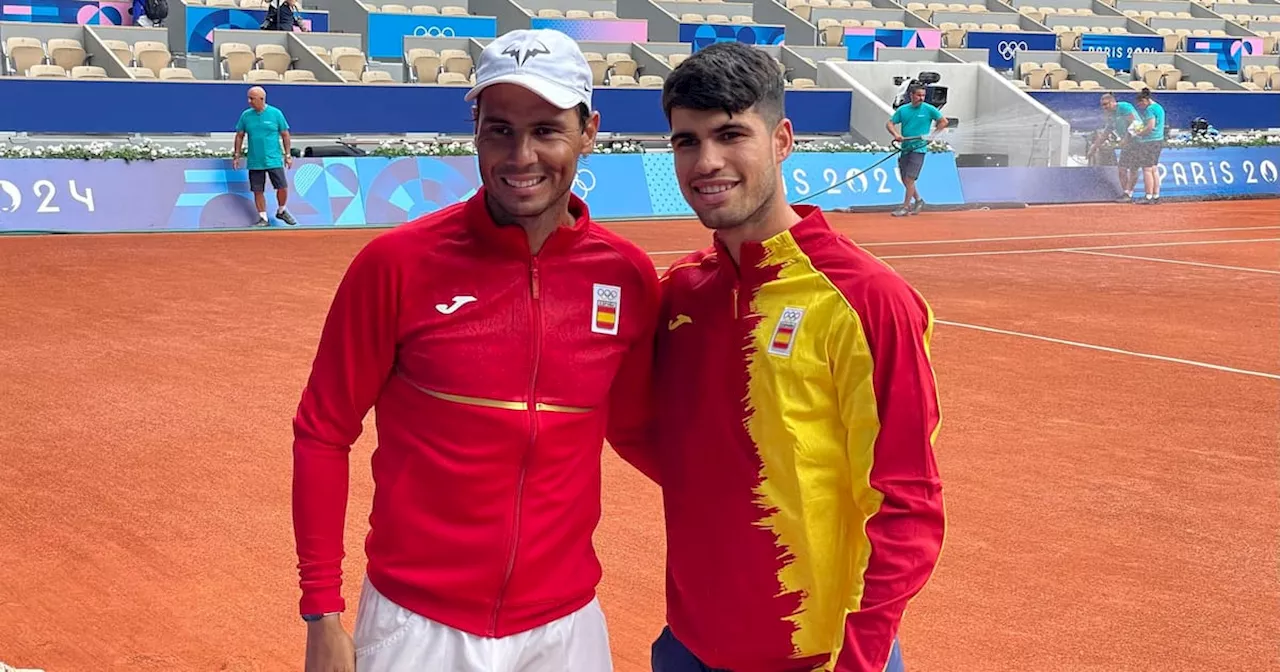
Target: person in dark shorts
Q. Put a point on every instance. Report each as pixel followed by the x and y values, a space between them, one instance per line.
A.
pixel 268 153
pixel 1148 143
pixel 914 120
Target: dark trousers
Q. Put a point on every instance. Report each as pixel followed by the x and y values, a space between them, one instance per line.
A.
pixel 669 655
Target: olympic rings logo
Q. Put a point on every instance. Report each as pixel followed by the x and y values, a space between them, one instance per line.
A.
pixel 791 316
pixel 607 294
pixel 584 183
pixel 1010 48
pixel 433 31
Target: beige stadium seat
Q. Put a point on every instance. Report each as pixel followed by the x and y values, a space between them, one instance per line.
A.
pixel 741 19
pixel 550 13
pixel 348 76
pixel 841 4
pixel 425 10
pixel 122 51
pixel 1010 27
pixel 453 10
pixel 1067 85
pixel 376 77
pixel 262 76
pixel 599 69
pixel 676 59
pixel 803 83
pixel 349 58
pixel 690 17
pixel 88 72
pixel 424 64
pixel 152 55
pixel 990 27
pixel 621 64
pixel 24 52
pixel 47 70
pixel 65 52
pixel 604 14
pixel 1090 85
pixel 1184 86
pixel 137 72
pixel 622 80
pixel 322 53
pixel 274 57
pixel 253 4
pixel 1137 85
pixel 236 59
pixel 650 81
pixel 1251 86
pixel 395 9
pixel 717 18
pixel 1206 86
pixel 456 60
pixel 453 79
pixel 176 74
pixel 299 76
pixel 577 14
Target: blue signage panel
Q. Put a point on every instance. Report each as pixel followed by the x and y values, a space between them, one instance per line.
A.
pixel 1225 171
pixel 201 21
pixel 703 34
pixel 1121 48
pixel 1003 48
pixel 1229 49
pixel 387 31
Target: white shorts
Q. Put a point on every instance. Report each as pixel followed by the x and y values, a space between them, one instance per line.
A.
pixel 390 638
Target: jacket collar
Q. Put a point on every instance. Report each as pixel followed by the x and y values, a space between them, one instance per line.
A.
pixel 760 261
pixel 512 240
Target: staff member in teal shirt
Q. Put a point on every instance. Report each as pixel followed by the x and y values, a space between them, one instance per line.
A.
pixel 1121 116
pixel 914 120
pixel 1150 141
pixel 269 153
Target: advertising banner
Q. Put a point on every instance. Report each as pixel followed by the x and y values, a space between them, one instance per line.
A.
pixel 1230 50
pixel 1121 48
pixel 704 34
pixel 862 44
pixel 1002 48
pixel 1221 172
pixel 387 31
pixel 201 22
pixel 193 194
pixel 597 30
pixel 86 13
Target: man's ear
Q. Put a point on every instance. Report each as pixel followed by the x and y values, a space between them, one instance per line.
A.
pixel 784 140
pixel 589 133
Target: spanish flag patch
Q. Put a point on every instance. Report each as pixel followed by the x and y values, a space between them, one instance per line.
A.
pixel 607 308
pixel 784 334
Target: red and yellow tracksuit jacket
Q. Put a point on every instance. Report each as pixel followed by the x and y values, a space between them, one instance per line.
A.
pixel 796 416
pixel 496 375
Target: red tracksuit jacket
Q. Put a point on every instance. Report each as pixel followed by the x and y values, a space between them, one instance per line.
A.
pixel 795 428
pixel 496 375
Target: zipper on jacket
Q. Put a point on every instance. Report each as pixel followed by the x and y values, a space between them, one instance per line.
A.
pixel 735 300
pixel 535 309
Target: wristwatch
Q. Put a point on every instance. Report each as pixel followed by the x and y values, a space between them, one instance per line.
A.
pixel 311 618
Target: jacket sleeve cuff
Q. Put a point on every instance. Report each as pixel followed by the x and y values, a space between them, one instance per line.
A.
pixel 324 601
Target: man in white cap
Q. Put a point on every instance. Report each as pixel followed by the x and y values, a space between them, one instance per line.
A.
pixel 501 340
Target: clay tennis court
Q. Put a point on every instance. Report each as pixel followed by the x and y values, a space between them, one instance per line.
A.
pixel 1110 381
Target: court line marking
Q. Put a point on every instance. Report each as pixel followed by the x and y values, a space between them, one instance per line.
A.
pixel 1042 250
pixel 1117 351
pixel 957 241
pixel 1224 267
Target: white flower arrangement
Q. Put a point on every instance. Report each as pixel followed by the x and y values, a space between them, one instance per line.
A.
pixel 149 150
pixel 1233 139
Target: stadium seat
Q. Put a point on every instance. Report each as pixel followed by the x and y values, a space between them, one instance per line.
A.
pixel 262 76
pixel 350 59
pixel 395 9
pixel 453 10
pixel 21 53
pixel 137 72
pixel 88 72
pixel 651 81
pixel 577 14
pixel 235 59
pixel 375 76
pixel 425 10
pixel 64 52
pixel 273 57
pixel 622 80
pixel 152 55
pixel 803 83
pixel 46 70
pixel 171 74
pixel 122 51
pixel 423 65
pixel 299 76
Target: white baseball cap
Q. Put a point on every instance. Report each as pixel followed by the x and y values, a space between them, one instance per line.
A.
pixel 546 62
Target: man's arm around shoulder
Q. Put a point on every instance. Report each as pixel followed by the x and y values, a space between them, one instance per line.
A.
pixel 631 396
pixel 906 521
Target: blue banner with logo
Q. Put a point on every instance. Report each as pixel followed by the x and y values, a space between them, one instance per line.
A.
pixel 704 34
pixel 1221 172
pixel 201 22
pixel 1003 48
pixel 1230 50
pixel 1121 48
pixel 190 194
pixel 387 31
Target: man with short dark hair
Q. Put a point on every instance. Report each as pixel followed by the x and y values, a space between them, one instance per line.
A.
pixel 909 125
pixel 1119 115
pixel 269 153
pixel 501 340
pixel 795 406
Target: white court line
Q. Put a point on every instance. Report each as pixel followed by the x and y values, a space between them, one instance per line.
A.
pixel 1078 249
pixel 1244 269
pixel 958 241
pixel 1118 351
